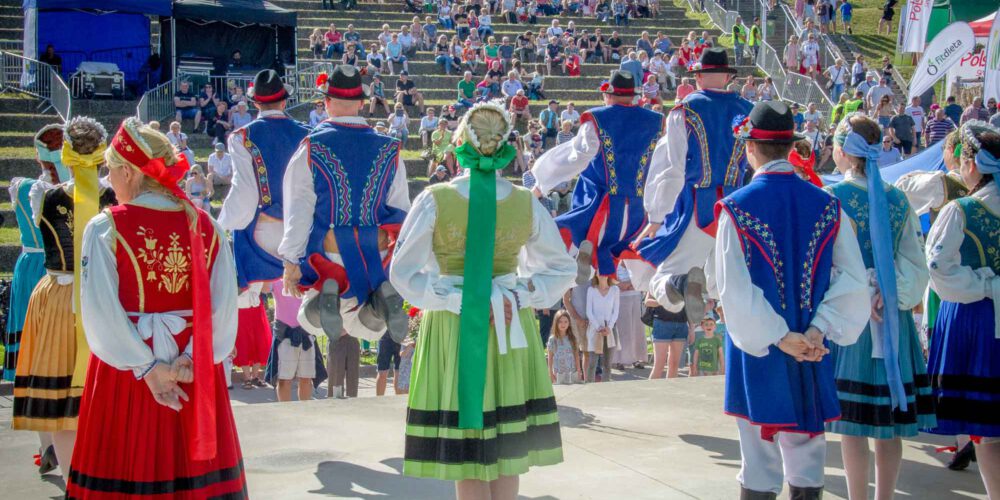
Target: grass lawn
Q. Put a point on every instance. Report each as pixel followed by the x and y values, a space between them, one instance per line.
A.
pixel 704 20
pixel 9 236
pixel 17 152
pixel 873 45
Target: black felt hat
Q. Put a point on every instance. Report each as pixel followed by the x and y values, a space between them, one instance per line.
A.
pixel 621 83
pixel 713 60
pixel 769 121
pixel 268 87
pixel 344 82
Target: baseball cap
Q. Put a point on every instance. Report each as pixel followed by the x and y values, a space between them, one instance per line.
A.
pixel 220 146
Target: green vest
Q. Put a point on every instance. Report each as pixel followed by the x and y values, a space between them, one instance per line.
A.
pixel 954 189
pixel 852 106
pixel 514 223
pixel 754 38
pixel 981 246
pixel 854 201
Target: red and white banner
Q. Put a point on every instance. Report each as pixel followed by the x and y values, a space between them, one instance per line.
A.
pixel 949 47
pixel 914 23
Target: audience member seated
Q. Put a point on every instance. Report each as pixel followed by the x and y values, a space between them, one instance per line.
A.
pixel 240 116
pixel 186 105
pixel 220 166
pixel 407 93
pixel 377 96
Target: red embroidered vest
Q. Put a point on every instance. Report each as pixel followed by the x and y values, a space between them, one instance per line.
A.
pixel 153 252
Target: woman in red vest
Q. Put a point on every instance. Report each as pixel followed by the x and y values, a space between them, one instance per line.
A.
pixel 159 311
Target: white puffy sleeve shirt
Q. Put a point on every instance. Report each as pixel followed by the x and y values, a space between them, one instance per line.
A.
pixel 666 169
pixel 112 336
pixel 545 270
pixel 567 160
pixel 951 280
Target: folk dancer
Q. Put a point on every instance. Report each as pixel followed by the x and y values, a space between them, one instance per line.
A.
pixel 253 212
pixel 881 379
pixel 159 309
pixel 476 255
pixel 346 196
pixel 695 164
pixel 791 279
pixel 30 265
pixel 962 253
pixel 52 365
pixel 611 152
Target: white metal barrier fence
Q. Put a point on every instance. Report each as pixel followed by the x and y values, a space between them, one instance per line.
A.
pixel 35 78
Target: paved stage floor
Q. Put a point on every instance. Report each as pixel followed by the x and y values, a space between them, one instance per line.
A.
pixel 660 439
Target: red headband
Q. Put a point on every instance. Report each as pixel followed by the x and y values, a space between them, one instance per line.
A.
pixel 335 92
pixel 771 134
pixel 271 98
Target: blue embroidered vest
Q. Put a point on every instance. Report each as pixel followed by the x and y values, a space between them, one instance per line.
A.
pixel 981 246
pixel 787 229
pixel 854 200
pixel 716 163
pixel 31 237
pixel 353 169
pixel 271 141
pixel 628 135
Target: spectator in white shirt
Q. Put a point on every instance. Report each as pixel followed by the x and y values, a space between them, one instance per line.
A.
pixel 815 136
pixel 406 40
pixel 554 30
pixel 240 116
pixel 814 116
pixel 570 115
pixel 511 85
pixel 317 115
pixel 874 96
pixel 916 111
pixel 180 141
pixel 428 124
pixel 220 166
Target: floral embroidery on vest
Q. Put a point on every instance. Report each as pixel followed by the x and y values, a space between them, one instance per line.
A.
pixel 760 233
pixel 696 126
pixel 169 267
pixel 827 224
pixel 263 186
pixel 380 173
pixel 608 154
pixel 321 156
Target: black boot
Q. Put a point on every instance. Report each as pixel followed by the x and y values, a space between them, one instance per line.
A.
pixel 48 461
pixel 746 494
pixel 694 295
pixel 804 493
pixel 963 457
pixel 323 310
pixel 388 305
pixel 583 262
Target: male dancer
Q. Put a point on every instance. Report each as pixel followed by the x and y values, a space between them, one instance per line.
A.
pixel 253 208
pixel 695 164
pixel 347 196
pixel 611 152
pixel 790 276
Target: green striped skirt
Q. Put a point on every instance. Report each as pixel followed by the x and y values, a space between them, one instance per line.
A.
pixel 520 420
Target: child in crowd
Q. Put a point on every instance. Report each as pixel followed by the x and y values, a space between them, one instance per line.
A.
pixel 294 354
pixel 603 303
pixel 563 353
pixel 398 123
pixel 708 356
pixel 535 90
pixel 388 358
pixel 536 139
pixel 565 132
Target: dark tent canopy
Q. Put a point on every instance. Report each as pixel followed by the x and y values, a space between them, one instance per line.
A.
pixel 234 11
pixel 262 32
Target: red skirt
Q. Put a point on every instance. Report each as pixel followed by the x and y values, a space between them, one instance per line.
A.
pixel 253 338
pixel 130 447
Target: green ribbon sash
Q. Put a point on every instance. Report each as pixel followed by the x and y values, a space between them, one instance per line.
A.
pixel 477 277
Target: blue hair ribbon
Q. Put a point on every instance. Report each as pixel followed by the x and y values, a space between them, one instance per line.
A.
pixel 986 163
pixel 885 265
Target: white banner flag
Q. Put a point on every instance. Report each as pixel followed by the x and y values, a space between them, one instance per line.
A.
pixel 917 18
pixel 944 51
pixel 991 71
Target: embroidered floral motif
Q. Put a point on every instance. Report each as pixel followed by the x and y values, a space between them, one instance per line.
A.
pixel 828 221
pixel 169 268
pixel 984 228
pixel 697 127
pixel 260 169
pixel 68 213
pixel 752 227
pixel 640 179
pixel 608 150
pixel 856 205
pixel 321 156
pixel 381 174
